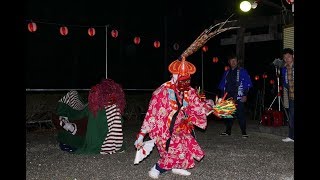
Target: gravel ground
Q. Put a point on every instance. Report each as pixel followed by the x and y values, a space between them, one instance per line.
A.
pixel 261 156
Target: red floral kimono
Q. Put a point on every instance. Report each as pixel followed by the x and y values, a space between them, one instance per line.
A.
pixel 183 148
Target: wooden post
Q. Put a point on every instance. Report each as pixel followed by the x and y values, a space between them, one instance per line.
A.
pixel 240 45
pixel 165 74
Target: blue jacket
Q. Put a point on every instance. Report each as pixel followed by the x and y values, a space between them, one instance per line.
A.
pixel 243 82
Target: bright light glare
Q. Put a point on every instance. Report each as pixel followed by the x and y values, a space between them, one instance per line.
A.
pixel 245 6
pixel 254 5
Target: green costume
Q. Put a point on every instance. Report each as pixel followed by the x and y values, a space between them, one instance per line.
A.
pixel 86 131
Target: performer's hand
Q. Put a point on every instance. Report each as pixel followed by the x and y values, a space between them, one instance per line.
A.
pixel 202 96
pixel 209 106
pixel 139 141
pixel 210 103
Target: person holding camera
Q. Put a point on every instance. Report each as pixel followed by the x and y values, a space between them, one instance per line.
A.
pixel 288 83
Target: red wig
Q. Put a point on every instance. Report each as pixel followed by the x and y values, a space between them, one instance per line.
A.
pixel 105 93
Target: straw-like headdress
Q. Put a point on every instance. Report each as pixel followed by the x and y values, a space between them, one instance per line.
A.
pixel 184 67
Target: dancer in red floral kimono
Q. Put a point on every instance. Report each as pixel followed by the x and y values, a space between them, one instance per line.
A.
pixel 174 109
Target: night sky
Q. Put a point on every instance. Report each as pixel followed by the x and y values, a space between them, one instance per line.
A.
pixel 78 60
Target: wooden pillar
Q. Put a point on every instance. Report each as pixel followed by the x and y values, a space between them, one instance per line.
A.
pixel 165 72
pixel 240 45
pixel 273 26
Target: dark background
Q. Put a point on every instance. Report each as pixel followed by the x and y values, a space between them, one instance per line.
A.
pixel 78 61
pixel 46 67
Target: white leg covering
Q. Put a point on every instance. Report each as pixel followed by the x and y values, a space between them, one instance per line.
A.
pixel 182 172
pixel 154 173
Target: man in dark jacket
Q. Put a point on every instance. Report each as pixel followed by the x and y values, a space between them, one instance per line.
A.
pixel 236 83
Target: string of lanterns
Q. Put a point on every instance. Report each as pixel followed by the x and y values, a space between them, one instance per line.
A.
pixel 205 48
pixel 91 30
pixel 32 27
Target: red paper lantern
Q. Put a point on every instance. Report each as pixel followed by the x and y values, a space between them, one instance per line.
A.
pixel 205 48
pixel 256 77
pixel 226 68
pixel 156 44
pixel 63 30
pixel 176 46
pixel 215 59
pixel 264 76
pixel 136 40
pixel 114 33
pixel 32 27
pixel 91 31
pixel 271 81
pixel 290 1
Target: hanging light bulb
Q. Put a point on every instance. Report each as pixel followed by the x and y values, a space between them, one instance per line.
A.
pixel 245 6
pixel 254 5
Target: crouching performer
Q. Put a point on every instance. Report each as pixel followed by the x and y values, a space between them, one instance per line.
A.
pixel 93 127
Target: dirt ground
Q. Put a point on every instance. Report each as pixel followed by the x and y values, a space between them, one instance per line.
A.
pixel 262 156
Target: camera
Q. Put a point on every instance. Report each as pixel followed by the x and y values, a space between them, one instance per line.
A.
pixel 278 63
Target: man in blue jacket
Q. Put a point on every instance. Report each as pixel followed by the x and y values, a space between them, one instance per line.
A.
pixel 236 83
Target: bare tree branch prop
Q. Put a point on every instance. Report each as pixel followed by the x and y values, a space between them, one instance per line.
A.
pixel 206 35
